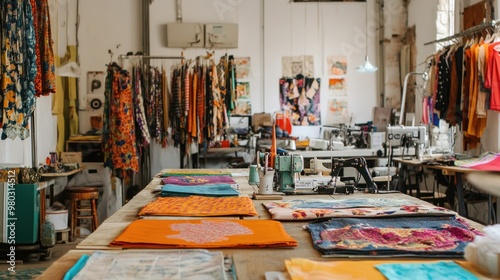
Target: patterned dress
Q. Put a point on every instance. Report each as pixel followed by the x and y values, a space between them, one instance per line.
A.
pixel 18 68
pixel 120 152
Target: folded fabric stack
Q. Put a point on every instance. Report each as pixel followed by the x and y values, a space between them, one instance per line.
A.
pixel 206 233
pixel 200 206
pixel 362 207
pixel 215 190
pixel 399 236
pixel 197 172
pixel 198 180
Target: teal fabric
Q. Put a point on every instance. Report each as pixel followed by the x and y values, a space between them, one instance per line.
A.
pixel 424 271
pixel 214 190
pixel 73 271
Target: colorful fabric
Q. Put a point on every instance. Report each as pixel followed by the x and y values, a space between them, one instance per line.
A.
pixel 120 152
pixel 154 264
pixel 45 63
pixel 371 207
pixel 200 206
pixel 425 271
pixel 206 233
pixel 204 190
pixel 301 269
pixel 17 67
pixel 198 180
pixel 423 236
pixel 301 96
pixel 198 172
pixel 487 162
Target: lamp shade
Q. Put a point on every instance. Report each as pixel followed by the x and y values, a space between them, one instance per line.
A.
pixel 367 66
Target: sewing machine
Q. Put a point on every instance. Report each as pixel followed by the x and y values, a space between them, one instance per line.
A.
pixel 338 164
pixel 407 136
pixel 286 167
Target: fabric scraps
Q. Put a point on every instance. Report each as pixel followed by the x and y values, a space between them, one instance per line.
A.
pixel 198 180
pixel 375 207
pixel 422 236
pixel 198 172
pixel 301 96
pixel 200 206
pixel 154 264
pixel 300 269
pixel 204 190
pixel 206 233
pixel 425 271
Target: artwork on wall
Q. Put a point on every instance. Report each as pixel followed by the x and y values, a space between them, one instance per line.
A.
pixel 338 111
pixel 242 67
pixel 243 90
pixel 301 96
pixel 297 65
pixel 243 107
pixel 337 87
pixel 337 65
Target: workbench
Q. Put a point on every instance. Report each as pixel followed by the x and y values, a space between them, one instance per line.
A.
pixel 249 263
pixel 449 170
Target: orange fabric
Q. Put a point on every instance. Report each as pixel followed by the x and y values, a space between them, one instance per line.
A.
pixel 301 269
pixel 200 206
pixel 206 233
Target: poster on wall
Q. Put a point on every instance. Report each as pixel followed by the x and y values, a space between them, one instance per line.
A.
pixel 337 65
pixel 242 90
pixel 242 67
pixel 337 87
pixel 338 111
pixel 242 107
pixel 301 97
pixel 297 65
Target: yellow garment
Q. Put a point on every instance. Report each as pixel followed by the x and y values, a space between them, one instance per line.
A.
pixel 58 108
pixel 476 125
pixel 302 269
pixel 72 96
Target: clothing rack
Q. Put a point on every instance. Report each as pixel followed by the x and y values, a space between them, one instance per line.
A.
pixel 122 56
pixel 467 32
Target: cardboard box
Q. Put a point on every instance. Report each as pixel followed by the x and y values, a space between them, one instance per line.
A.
pixel 73 157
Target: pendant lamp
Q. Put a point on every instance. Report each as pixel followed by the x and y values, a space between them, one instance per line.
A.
pixel 367 66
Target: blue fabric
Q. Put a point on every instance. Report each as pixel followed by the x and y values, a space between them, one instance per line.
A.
pixel 73 271
pixel 214 190
pixel 425 271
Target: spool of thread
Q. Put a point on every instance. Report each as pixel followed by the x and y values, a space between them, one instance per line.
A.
pixel 253 175
pixel 266 182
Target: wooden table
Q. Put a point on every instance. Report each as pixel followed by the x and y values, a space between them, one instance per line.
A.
pixel 249 263
pixel 67 174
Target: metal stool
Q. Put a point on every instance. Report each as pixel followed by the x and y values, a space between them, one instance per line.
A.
pixel 77 195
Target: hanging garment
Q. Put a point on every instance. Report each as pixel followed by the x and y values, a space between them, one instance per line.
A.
pixel 143 135
pixel 18 63
pixel 120 153
pixel 46 78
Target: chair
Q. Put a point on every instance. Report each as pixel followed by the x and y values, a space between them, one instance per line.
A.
pixel 79 210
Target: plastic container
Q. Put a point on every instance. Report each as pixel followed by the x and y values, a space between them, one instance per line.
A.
pixel 59 218
pixel 48 234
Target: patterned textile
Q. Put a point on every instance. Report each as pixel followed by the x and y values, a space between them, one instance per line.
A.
pixel 487 162
pixel 120 152
pixel 423 236
pixel 198 180
pixel 140 115
pixel 206 233
pixel 197 172
pixel 301 96
pixel 371 207
pixel 154 264
pixel 200 206
pixel 215 190
pixel 425 271
pixel 301 269
pixel 45 53
pixel 18 68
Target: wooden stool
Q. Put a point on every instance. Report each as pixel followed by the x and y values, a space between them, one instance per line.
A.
pixel 76 195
